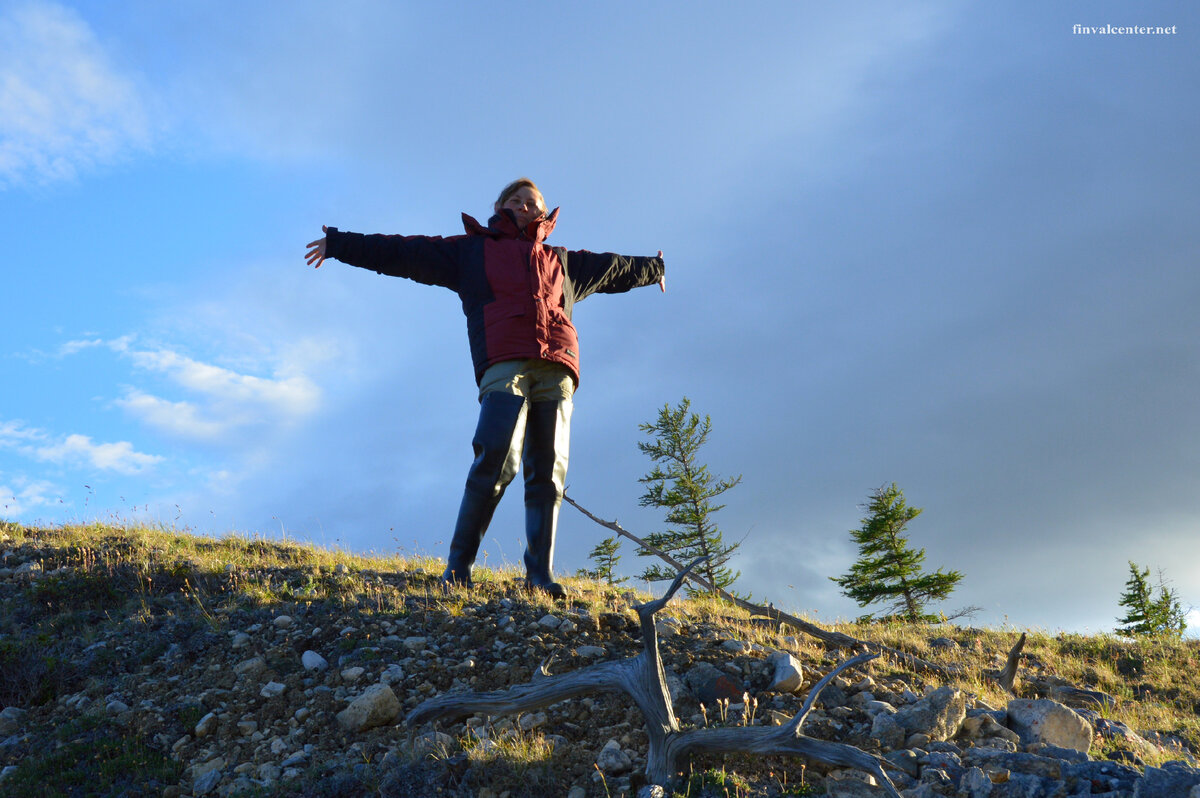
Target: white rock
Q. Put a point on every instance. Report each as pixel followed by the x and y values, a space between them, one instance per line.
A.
pixel 284 622
pixel 312 661
pixel 377 706
pixel 590 651
pixel 532 721
pixel 789 674
pixel 1047 721
pixel 353 674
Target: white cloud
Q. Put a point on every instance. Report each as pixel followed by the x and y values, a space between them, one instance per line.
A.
pixel 14 434
pixel 23 495
pixel 71 347
pixel 76 449
pixel 63 105
pixel 182 419
pixel 292 395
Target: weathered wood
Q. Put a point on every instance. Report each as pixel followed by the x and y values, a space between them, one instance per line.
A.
pixel 1007 677
pixel 829 638
pixel 643 679
pixel 1053 687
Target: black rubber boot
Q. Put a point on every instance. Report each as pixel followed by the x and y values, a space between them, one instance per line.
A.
pixel 497 443
pixel 547 447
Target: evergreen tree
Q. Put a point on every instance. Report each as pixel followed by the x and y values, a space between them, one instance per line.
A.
pixel 888 570
pixel 605 556
pixel 685 488
pixel 1145 614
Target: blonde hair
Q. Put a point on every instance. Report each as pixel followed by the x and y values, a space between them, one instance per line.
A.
pixel 517 185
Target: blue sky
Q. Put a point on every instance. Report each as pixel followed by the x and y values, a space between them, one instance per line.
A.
pixel 946 245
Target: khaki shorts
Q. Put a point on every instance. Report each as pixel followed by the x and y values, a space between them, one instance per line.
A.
pixel 536 380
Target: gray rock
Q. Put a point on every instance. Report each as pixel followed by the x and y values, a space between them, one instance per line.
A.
pixel 116 707
pixel 907 760
pixel 206 783
pixel 312 661
pixel 434 742
pixel 272 690
pixel 10 720
pixel 284 622
pixel 415 644
pixel 549 622
pixel 590 651
pixel 887 731
pixel 206 726
pixel 295 760
pixel 250 667
pixel 709 684
pixel 789 675
pixel 939 714
pixel 377 706
pixel 532 720
pixel 1172 780
pixel 612 760
pixel 983 725
pixel 1046 721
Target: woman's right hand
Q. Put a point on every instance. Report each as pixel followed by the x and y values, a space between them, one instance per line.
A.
pixel 315 255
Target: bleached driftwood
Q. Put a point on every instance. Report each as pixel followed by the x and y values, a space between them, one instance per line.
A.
pixel 642 678
pixel 832 639
pixel 1007 677
pixel 1051 687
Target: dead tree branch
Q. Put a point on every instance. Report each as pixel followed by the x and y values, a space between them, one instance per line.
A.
pixel 643 679
pixel 831 639
pixel 1052 687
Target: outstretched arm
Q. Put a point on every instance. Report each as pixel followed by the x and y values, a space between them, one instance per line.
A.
pixel 607 273
pixel 426 259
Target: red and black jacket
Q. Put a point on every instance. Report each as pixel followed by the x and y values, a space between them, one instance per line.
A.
pixel 517 293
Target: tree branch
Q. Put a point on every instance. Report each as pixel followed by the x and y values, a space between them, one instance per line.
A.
pixel 832 639
pixel 643 679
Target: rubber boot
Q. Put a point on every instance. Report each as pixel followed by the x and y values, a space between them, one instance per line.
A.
pixel 497 444
pixel 547 446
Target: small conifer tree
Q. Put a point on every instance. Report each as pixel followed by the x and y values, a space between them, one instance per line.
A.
pixel 888 570
pixel 605 556
pixel 1145 614
pixel 685 488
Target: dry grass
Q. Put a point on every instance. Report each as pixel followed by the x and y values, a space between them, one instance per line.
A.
pixel 94 568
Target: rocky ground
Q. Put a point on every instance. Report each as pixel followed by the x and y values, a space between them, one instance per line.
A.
pixel 112 689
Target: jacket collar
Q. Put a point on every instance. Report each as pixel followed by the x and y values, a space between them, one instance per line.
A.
pixel 504 225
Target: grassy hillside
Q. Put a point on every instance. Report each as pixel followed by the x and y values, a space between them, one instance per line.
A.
pixel 133 661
